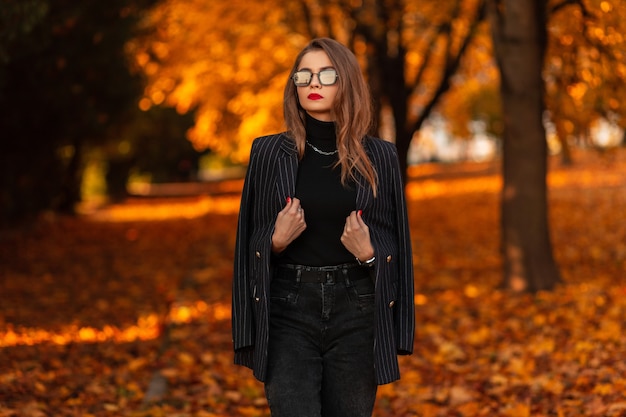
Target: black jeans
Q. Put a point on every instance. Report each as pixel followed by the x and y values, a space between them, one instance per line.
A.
pixel 321 359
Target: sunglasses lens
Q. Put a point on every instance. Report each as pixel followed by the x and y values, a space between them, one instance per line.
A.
pixel 328 77
pixel 302 78
pixel 325 77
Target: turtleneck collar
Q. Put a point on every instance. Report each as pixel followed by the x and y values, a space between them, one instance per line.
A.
pixel 319 131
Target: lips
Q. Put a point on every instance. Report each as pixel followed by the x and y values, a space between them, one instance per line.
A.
pixel 314 96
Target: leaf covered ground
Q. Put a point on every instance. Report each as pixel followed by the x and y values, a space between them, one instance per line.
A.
pixel 125 310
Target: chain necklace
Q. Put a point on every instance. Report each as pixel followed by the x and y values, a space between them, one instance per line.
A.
pixel 321 152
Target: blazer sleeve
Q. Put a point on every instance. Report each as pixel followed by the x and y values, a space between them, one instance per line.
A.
pixel 243 326
pixel 405 304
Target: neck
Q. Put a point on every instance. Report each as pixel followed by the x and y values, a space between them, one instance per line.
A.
pixel 320 131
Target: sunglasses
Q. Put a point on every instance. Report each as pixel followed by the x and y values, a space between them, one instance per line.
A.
pixel 303 78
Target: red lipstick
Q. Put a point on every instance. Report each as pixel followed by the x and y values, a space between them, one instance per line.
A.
pixel 314 96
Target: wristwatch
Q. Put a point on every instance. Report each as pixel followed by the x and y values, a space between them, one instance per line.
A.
pixel 368 263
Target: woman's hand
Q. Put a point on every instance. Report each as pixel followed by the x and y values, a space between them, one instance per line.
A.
pixel 289 225
pixel 356 237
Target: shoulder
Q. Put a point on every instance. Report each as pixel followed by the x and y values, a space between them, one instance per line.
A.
pixel 269 143
pixel 379 148
pixel 275 139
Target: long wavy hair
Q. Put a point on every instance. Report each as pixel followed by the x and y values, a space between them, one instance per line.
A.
pixel 352 111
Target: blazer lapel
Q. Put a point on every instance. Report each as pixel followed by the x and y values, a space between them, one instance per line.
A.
pixel 287 171
pixel 364 193
pixel 287 168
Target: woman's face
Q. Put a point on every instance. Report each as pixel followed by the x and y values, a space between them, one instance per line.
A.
pixel 317 99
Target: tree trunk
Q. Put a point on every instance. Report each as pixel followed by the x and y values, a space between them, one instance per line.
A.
pixel 398 96
pixel 566 152
pixel 70 193
pixel 29 183
pixel 519 33
pixel 116 178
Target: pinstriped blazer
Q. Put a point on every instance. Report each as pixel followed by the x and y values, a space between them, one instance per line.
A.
pixel 270 179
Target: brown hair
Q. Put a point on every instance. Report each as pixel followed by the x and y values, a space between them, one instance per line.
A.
pixel 352 111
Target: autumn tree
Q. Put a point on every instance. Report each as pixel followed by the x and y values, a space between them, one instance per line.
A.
pixel 419 56
pixel 577 71
pixel 223 59
pixel 217 56
pixel 416 50
pixel 413 52
pixel 520 40
pixel 64 85
pixel 585 69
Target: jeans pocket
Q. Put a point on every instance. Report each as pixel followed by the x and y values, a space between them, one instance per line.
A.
pixel 284 291
pixel 363 293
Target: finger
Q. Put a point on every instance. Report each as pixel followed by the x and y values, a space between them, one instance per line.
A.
pixel 289 203
pixel 348 224
pixel 352 220
pixel 359 218
pixel 296 204
pixel 299 215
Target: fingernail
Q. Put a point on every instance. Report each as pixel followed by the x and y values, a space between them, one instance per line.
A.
pixel 288 199
pixel 360 212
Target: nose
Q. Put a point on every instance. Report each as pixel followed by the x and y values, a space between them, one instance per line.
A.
pixel 315 80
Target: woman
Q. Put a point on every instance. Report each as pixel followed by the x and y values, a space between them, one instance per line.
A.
pixel 323 279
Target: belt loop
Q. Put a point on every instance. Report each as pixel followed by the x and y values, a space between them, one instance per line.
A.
pixel 298 275
pixel 346 277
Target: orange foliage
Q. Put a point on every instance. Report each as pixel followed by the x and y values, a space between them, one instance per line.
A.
pixel 585 63
pixel 96 309
pixel 225 60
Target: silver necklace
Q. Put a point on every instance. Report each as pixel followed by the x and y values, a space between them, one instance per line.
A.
pixel 321 152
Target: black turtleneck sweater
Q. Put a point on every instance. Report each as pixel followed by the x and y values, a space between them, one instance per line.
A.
pixel 326 203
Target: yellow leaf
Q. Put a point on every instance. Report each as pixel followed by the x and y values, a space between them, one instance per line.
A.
pixel 460 395
pixel 603 389
pixel 137 363
pixel 478 337
pixel 451 352
pixel 517 410
pixel 471 291
pixel 111 407
pixel 170 372
pixel 186 358
pixel 248 412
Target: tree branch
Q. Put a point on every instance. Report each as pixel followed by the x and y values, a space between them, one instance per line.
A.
pixel 452 65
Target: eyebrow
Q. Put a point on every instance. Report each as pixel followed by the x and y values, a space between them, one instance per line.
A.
pixel 321 69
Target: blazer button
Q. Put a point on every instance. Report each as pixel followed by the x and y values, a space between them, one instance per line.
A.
pixel 257 299
pixel 388 258
pixel 258 254
pixel 391 304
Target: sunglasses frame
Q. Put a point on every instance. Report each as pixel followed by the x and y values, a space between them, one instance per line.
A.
pixel 293 77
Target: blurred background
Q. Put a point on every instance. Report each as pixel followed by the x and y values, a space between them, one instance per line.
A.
pixel 125 128
pixel 102 99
